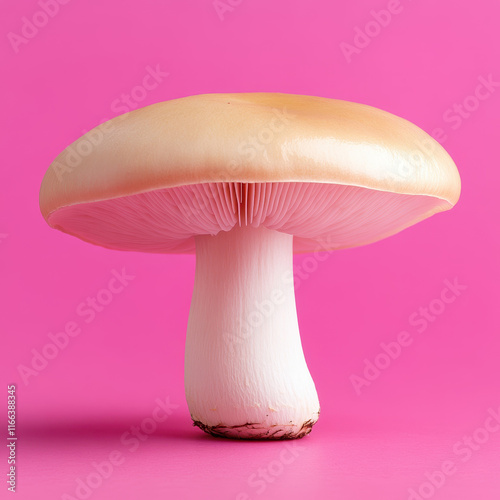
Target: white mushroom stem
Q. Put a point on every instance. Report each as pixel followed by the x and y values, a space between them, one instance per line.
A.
pixel 245 372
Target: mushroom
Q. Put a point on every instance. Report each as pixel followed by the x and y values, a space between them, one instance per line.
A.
pixel 244 181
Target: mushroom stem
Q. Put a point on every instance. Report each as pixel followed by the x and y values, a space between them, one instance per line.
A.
pixel 245 372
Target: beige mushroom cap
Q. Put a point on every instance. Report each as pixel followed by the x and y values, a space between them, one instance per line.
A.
pixel 244 140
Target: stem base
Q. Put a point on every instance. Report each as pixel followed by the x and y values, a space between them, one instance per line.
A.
pixel 256 431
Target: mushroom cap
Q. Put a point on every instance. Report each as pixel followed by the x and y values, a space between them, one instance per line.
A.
pixel 334 174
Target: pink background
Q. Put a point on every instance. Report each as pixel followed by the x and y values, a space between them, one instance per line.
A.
pixel 378 444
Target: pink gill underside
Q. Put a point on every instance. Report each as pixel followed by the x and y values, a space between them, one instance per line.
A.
pixel 320 216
